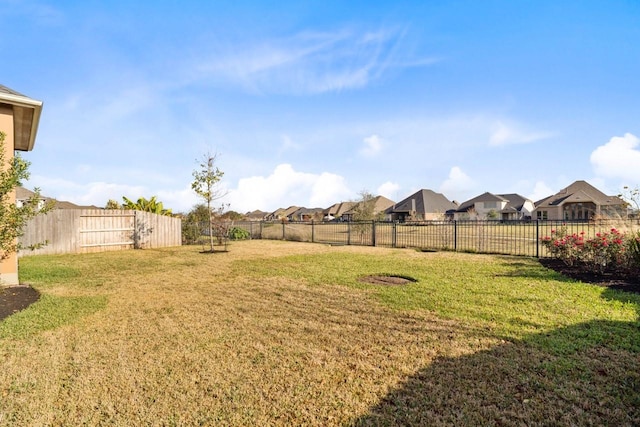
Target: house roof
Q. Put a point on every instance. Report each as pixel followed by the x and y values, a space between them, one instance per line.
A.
pixel 23 194
pixel 337 209
pixel 381 204
pixel 579 191
pixel 515 202
pixel 484 197
pixel 26 117
pixel 426 201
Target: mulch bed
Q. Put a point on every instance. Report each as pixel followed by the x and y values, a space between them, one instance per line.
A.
pixel 629 282
pixel 16 298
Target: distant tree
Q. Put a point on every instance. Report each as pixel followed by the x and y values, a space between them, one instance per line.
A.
pixel 232 216
pixel 194 223
pixel 12 217
pixel 631 195
pixel 112 204
pixel 205 184
pixel 151 205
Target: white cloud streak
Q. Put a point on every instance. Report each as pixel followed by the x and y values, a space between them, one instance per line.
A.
pixel 309 62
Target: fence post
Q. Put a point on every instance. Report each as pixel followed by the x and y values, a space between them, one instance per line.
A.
pixel 373 233
pixel 455 235
pixel 348 232
pixel 283 234
pixel 313 229
pixel 537 238
pixel 394 236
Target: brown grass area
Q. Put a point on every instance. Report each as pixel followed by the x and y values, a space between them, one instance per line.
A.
pixel 204 344
pixel 192 339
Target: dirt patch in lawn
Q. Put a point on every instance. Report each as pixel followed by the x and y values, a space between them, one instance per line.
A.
pixel 16 298
pixel 387 280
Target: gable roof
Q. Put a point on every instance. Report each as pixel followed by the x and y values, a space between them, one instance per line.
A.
pixel 337 209
pixel 515 202
pixel 380 204
pixel 423 201
pixel 24 194
pixel 484 197
pixel 26 117
pixel 579 191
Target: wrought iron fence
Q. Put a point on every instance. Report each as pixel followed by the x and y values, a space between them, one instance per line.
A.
pixel 521 238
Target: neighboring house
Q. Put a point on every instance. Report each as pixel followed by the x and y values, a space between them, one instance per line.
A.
pixel 281 214
pixel 19 120
pixel 380 205
pixel 579 201
pixel 424 205
pixel 306 214
pixel 23 194
pixel 506 207
pixel 335 211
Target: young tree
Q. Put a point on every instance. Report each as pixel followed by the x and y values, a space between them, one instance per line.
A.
pixel 205 183
pixel 12 217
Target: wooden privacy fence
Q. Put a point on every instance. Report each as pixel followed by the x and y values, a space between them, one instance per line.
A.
pixel 98 230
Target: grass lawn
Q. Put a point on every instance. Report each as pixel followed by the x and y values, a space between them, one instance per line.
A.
pixel 282 333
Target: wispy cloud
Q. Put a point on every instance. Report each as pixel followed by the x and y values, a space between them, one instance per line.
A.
pixel 372 146
pixel 508 134
pixel 310 62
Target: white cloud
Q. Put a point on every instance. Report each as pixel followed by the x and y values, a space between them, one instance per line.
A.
pixel 372 146
pixel 458 186
pixel 540 191
pixel 618 158
pixel 503 134
pixel 286 187
pixel 389 190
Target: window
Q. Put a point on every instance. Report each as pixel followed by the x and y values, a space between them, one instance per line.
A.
pixel 543 215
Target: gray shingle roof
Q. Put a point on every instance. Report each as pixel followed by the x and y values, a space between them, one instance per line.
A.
pixel 579 191
pixel 426 201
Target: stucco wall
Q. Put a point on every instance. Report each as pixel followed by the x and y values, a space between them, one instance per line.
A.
pixel 8 267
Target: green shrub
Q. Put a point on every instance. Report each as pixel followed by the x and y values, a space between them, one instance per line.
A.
pixel 237 233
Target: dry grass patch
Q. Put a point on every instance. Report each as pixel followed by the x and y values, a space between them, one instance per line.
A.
pixel 275 333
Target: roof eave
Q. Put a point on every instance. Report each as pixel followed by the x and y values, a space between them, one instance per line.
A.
pixel 24 109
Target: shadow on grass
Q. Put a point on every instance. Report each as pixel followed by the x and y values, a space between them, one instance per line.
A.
pixel 48 313
pixel 585 374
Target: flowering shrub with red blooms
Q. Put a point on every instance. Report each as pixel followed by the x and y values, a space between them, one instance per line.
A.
pixel 605 250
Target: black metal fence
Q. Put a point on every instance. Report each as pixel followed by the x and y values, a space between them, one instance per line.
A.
pixel 522 238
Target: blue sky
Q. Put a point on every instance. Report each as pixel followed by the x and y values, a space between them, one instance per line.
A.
pixel 309 103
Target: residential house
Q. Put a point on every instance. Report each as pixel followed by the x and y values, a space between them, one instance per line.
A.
pixel 23 194
pixel 335 211
pixel 380 205
pixel 506 207
pixel 19 120
pixel 281 214
pixel 579 201
pixel 306 214
pixel 423 205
